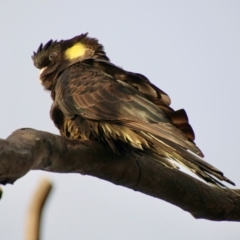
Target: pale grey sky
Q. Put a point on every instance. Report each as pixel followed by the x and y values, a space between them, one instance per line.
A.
pixel 190 49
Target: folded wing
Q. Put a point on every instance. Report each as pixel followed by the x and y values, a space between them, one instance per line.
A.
pixel 120 112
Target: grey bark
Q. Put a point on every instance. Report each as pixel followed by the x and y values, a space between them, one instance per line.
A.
pixel 29 149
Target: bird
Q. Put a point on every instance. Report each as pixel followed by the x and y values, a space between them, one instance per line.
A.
pixel 94 99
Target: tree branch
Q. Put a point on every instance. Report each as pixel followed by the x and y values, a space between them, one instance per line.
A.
pixel 29 149
pixel 35 209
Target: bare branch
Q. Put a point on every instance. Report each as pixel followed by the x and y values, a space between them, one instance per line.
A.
pixel 29 149
pixel 33 220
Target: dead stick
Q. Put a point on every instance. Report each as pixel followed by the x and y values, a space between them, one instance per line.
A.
pixel 33 221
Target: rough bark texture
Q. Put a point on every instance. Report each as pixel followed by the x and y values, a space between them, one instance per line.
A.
pixel 29 149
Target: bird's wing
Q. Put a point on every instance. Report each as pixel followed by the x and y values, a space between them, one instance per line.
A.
pixel 98 97
pixel 150 91
pixel 89 93
pixel 139 81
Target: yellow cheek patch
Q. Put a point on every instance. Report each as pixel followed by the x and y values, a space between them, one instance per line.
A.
pixel 77 50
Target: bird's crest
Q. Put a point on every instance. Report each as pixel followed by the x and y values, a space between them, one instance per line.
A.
pixel 79 47
pixel 40 57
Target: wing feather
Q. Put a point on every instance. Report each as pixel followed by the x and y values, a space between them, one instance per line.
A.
pixel 121 112
pixel 105 99
pixel 150 91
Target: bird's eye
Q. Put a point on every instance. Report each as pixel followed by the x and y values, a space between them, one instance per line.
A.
pixel 52 55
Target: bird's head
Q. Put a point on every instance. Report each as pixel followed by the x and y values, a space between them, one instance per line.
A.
pixel 55 56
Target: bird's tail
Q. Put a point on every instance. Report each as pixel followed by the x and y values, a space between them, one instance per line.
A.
pixel 170 150
pixel 164 145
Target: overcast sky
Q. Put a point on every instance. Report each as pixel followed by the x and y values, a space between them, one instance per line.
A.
pixel 190 49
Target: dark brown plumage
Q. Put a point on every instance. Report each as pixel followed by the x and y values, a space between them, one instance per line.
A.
pixel 94 99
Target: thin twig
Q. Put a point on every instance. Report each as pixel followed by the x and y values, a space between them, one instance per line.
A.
pixel 33 220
